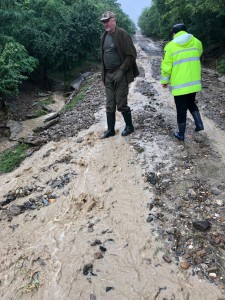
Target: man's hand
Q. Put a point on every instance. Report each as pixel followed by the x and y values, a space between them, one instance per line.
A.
pixel 164 85
pixel 118 76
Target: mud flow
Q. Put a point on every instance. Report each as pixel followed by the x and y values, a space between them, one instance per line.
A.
pixel 140 217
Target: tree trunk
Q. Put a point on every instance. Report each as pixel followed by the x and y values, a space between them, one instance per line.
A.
pixel 2 105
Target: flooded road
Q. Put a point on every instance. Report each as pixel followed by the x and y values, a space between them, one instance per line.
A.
pixel 94 237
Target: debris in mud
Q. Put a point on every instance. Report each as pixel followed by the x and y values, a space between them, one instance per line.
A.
pixel 102 249
pixel 152 178
pixel 187 189
pixel 19 192
pixel 34 284
pixel 185 265
pixel 60 181
pixel 14 226
pixel 109 288
pixel 201 225
pixel 33 203
pixel 98 255
pixel 88 268
pixel 96 242
pixel 167 259
pixel 159 291
pixel 149 219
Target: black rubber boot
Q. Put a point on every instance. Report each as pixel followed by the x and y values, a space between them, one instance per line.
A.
pixel 180 134
pixel 128 120
pixel 111 120
pixel 198 121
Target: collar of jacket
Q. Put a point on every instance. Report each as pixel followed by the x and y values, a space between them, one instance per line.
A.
pixel 113 34
pixel 182 38
pixel 179 33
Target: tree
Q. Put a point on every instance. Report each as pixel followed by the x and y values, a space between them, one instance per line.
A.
pixel 15 65
pixel 204 18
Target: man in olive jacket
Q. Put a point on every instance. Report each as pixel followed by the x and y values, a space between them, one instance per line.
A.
pixel 119 68
pixel 181 67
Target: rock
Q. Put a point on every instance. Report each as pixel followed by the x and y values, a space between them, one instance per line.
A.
pixel 212 275
pixel 149 219
pixel 79 140
pixel 201 252
pixel 212 269
pixel 192 193
pixel 96 242
pixel 98 255
pixel 92 297
pixel 185 265
pixel 45 202
pixel 87 268
pixel 215 191
pixel 15 129
pixel 167 259
pixel 14 210
pixel 14 226
pixel 109 288
pixel 201 225
pixel 152 178
pixel 32 140
pixel 51 200
pixel 103 249
pixel 219 202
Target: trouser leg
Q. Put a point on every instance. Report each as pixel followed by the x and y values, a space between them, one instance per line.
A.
pixel 116 98
pixel 181 107
pixel 121 92
pixel 110 93
pixel 110 107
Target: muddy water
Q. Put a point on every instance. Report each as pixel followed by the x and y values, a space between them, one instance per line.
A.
pixel 104 200
pixel 25 128
pixel 29 125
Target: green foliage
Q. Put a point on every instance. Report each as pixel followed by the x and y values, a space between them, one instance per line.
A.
pixel 11 158
pixel 221 65
pixel 204 18
pixel 48 101
pixel 40 112
pixel 14 64
pixel 73 103
pixel 59 33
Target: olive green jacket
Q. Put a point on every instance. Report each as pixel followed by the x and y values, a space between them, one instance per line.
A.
pixel 126 51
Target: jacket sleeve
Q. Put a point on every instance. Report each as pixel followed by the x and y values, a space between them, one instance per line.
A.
pixel 166 66
pixel 129 53
pixel 200 49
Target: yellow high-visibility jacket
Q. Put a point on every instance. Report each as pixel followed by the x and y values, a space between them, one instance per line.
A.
pixel 181 66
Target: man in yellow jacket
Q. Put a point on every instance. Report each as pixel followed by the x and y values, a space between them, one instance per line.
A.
pixel 181 67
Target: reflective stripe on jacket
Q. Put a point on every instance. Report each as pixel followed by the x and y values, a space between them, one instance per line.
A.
pixel 181 64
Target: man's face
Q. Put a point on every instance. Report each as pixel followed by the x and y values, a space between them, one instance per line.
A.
pixel 109 25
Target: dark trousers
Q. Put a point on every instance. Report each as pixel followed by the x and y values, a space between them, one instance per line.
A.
pixel 116 94
pixel 184 103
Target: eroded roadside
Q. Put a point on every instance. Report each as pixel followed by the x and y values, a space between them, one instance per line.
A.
pixel 113 219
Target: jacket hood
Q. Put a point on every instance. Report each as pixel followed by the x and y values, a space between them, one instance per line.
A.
pixel 182 38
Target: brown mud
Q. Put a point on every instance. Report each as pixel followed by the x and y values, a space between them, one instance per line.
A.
pixel 140 217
